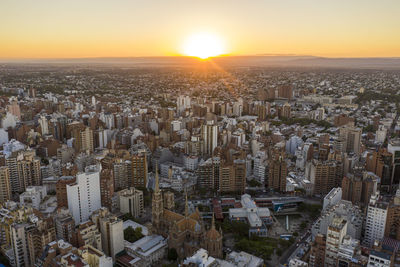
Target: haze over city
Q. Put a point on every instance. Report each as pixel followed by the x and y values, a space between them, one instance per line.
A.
pixel 120 28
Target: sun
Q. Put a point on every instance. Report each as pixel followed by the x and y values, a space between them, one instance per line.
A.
pixel 203 45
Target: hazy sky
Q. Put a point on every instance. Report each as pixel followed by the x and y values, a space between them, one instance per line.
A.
pixel 114 28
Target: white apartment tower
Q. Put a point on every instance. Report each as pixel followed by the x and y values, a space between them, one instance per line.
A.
pixel 182 103
pixel 44 125
pixel 209 134
pixel 376 220
pixel 84 195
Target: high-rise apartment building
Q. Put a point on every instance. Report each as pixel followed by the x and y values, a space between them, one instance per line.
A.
pixel 317 254
pixel 84 195
pixel 352 188
pixel 19 243
pixel 139 170
pixel 122 170
pixel 61 190
pixel 86 140
pixel 14 108
pixel 106 187
pixel 358 189
pixel 376 220
pixel 394 149
pixel 24 170
pixel 82 135
pixel 111 229
pixel 381 163
pixel 392 228
pixel 5 187
pixel 42 234
pixel 226 175
pixel 285 111
pixel 336 232
pixel 44 126
pixel 209 174
pixel 324 175
pixel 277 172
pixel 209 134
pixel 352 137
pixel 65 225
pixel 182 103
pixel 239 168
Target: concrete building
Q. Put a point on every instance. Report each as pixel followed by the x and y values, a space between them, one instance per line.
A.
pixel 379 259
pixel 297 263
pixel 150 249
pixel 84 195
pixel 44 126
pixel 376 220
pixel 317 253
pixel 106 188
pixel 201 258
pixel 209 134
pixel 323 175
pixel 65 225
pixel 345 209
pixel 122 171
pixel 257 218
pixel 43 233
pixel 277 173
pixel 86 140
pixel 131 201
pixel 332 198
pixel 392 228
pixel 88 234
pixel 33 196
pixel 244 259
pixel 352 137
pixel 19 243
pixel 334 237
pixel 208 173
pixel 394 149
pixel 111 229
pixel 5 187
pixel 190 162
pixel 139 169
pixel 24 168
pixel 61 190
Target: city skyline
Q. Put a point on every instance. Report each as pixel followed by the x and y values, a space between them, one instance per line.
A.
pixel 46 29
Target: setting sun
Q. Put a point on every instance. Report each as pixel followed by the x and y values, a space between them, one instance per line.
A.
pixel 203 45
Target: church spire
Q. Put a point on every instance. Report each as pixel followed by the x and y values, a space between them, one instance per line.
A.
pixel 186 206
pixel 213 221
pixel 157 186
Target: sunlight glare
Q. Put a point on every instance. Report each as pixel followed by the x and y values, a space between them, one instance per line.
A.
pixel 203 45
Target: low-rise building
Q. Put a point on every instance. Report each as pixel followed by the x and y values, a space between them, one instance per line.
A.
pixel 150 249
pixel 257 218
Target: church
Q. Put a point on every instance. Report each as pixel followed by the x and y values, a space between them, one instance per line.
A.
pixel 186 233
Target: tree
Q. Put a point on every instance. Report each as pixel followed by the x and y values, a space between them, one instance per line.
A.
pixel 132 235
pixel 369 129
pixel 172 254
pixel 254 183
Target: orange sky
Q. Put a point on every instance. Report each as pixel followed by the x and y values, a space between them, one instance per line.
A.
pixel 125 28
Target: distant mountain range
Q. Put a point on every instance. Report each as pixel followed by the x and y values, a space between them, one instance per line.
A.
pixel 293 61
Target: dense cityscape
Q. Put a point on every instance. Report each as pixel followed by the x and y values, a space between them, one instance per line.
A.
pixel 107 165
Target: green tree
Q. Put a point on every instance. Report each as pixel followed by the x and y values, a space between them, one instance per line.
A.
pixel 133 235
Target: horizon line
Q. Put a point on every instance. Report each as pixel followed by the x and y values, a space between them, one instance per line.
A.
pixel 3 59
